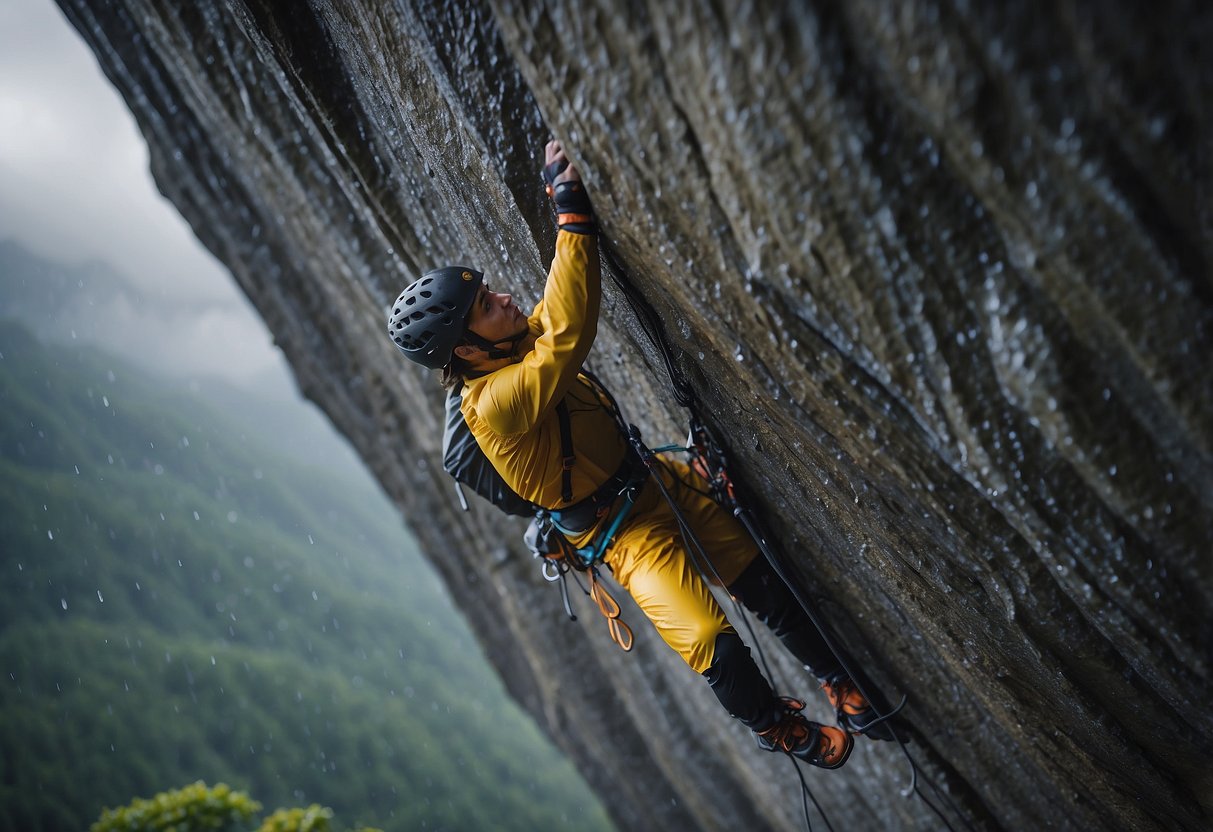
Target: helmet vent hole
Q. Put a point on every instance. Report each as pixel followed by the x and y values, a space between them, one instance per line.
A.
pixel 426 293
pixel 410 301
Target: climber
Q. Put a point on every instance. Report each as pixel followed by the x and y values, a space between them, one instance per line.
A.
pixel 516 370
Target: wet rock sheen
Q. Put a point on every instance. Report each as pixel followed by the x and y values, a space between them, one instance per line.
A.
pixel 940 272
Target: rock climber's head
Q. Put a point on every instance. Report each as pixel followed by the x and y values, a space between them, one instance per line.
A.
pixel 451 320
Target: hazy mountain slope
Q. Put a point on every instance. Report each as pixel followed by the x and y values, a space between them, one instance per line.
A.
pixel 177 603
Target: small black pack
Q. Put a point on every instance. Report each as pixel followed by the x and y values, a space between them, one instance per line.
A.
pixel 466 462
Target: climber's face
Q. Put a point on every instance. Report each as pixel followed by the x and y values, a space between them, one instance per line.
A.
pixel 495 317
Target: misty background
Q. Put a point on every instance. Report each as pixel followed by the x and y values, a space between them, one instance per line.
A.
pixel 76 193
pixel 75 189
pixel 198 576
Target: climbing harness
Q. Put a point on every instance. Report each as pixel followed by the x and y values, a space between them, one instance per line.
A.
pixel 558 560
pixel 550 529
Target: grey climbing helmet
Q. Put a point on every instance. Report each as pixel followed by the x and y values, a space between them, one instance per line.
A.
pixel 428 320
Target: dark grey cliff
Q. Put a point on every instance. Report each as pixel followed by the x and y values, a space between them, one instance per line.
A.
pixel 940 272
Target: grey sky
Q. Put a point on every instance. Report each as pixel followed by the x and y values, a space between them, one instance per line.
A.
pixel 74 186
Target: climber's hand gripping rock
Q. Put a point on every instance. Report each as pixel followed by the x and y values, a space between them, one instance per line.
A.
pixel 556 167
pixel 563 183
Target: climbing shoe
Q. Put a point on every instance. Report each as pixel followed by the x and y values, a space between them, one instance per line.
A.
pixel 854 712
pixel 823 746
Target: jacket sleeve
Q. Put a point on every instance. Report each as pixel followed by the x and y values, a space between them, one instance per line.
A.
pixel 518 397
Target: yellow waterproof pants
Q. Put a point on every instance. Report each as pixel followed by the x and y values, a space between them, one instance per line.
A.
pixel 649 559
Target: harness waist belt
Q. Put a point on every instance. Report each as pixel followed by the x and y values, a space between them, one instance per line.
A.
pixel 581 517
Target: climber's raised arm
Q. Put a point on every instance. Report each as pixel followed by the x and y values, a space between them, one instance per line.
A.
pixel 563 325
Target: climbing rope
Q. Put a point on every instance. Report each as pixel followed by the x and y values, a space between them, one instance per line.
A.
pixel 699 558
pixel 703 447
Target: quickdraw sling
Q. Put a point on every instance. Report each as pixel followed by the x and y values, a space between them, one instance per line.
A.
pixel 548 535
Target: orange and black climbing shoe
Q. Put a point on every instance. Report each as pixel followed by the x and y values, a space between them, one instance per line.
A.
pixel 823 746
pixel 854 712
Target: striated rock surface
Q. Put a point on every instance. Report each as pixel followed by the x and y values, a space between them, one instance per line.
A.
pixel 939 270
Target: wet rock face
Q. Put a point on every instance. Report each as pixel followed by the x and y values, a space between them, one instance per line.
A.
pixel 939 272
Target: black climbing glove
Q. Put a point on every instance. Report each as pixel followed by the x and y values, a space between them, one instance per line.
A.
pixel 573 209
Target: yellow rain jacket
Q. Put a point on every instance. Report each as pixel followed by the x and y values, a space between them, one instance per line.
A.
pixel 511 412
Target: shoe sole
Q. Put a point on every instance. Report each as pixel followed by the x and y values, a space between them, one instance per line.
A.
pixel 846 754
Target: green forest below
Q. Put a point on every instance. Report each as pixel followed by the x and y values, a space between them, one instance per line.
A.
pixel 179 604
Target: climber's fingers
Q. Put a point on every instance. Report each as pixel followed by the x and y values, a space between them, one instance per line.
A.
pixel 553 152
pixel 556 165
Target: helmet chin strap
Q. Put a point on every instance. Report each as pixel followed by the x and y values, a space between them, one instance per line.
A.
pixel 491 347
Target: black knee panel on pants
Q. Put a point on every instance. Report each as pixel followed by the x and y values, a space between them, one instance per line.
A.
pixel 739 684
pixel 765 594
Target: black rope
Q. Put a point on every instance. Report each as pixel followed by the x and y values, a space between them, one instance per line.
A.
pixel 805 793
pixel 654 329
pixel 695 549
